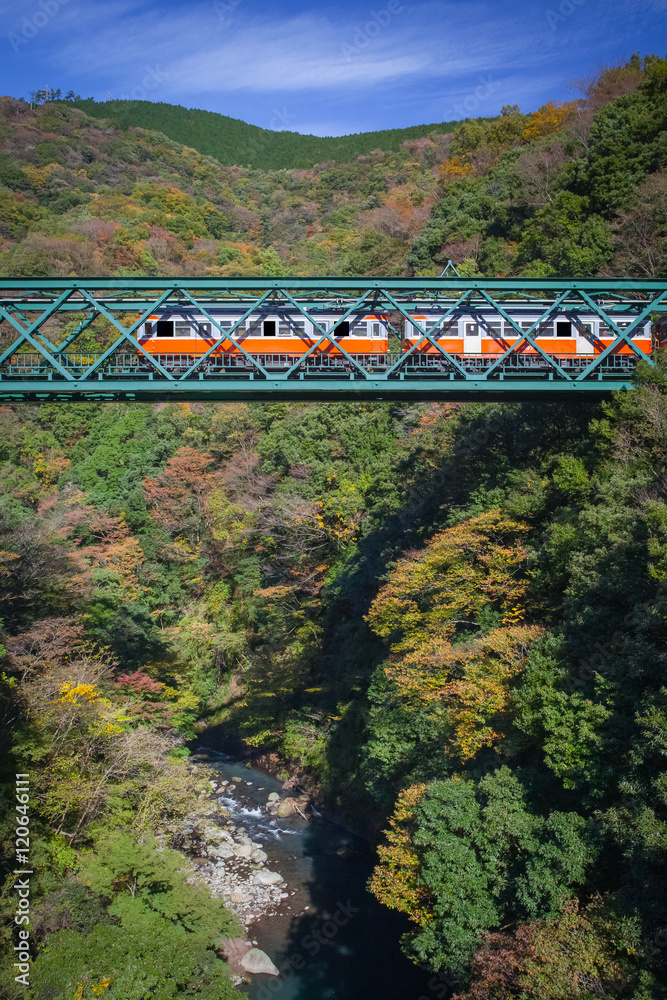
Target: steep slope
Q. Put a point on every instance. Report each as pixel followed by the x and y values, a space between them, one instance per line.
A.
pixel 232 141
pixel 78 195
pixel 574 189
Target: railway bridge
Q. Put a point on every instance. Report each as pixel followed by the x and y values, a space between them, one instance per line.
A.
pixel 73 339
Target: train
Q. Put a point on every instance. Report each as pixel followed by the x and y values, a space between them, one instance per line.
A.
pixel 487 332
pixel 270 331
pixel 468 332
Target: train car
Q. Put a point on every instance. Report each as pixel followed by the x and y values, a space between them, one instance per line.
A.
pixel 270 331
pixel 487 333
pixel 660 332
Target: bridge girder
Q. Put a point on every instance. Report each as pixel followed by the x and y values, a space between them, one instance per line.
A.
pixel 31 308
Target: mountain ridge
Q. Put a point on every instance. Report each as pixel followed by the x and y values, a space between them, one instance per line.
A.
pixel 234 142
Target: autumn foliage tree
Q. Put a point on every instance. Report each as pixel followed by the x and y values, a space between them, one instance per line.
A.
pixel 472 855
pixel 583 951
pixel 548 119
pixel 177 498
pixel 459 633
pixel 455 168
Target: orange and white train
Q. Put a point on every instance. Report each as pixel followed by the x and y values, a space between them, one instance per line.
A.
pixel 287 333
pixel 270 331
pixel 486 332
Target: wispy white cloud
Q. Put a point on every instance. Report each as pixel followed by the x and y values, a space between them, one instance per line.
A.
pixel 348 62
pixel 196 53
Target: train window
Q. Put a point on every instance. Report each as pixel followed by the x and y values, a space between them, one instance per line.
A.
pixel 604 330
pixel 269 327
pixel 377 331
pixel 359 330
pixel 493 330
pixel 182 330
pixel 545 330
pixel 448 330
pixel 472 330
pixel 563 329
pixel 164 328
pixel 204 329
pixel 148 329
pixel 638 331
pixel 300 329
pixel 586 329
pixel 283 329
pixel 343 329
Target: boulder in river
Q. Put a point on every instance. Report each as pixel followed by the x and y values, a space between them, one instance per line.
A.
pixel 243 850
pixel 290 806
pixel 285 808
pixel 257 962
pixel 268 878
pixel 274 797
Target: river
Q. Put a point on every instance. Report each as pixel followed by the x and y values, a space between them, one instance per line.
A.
pixel 329 937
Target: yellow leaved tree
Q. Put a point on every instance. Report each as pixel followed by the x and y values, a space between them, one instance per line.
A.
pixel 453 614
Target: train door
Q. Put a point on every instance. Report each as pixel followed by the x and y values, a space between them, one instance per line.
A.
pixel 472 338
pixel 585 334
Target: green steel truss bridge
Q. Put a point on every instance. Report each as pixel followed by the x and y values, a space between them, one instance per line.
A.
pixel 47 327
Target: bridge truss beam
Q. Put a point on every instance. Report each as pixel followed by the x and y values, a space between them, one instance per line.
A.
pixel 41 321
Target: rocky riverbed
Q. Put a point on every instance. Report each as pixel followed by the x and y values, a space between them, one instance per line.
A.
pixel 235 867
pixel 297 882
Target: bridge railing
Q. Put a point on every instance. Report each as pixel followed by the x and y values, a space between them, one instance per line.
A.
pixel 21 366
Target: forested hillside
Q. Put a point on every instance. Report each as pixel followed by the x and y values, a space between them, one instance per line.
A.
pixel 79 196
pixel 231 141
pixel 571 189
pixel 450 620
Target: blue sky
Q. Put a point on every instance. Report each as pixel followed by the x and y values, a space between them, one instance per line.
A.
pixel 328 69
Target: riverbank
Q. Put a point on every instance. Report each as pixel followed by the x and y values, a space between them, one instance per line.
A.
pixel 217 837
pixel 297 884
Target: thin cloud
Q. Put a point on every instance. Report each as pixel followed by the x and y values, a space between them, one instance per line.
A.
pixel 348 65
pixel 196 54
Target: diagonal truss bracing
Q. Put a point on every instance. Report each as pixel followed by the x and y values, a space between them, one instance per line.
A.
pixel 43 320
